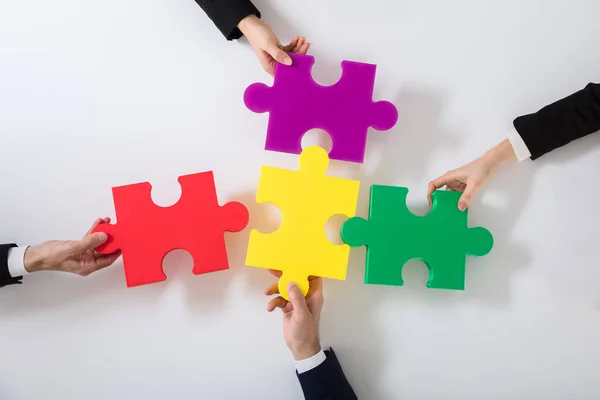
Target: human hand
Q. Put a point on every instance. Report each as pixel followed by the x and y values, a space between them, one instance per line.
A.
pixel 75 256
pixel 266 46
pixel 473 176
pixel 300 316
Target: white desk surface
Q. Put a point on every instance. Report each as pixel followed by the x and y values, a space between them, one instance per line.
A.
pixel 102 93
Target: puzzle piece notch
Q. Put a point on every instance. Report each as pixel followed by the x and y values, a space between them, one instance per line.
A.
pixel 393 236
pixel 345 110
pixel 307 199
pixel 146 232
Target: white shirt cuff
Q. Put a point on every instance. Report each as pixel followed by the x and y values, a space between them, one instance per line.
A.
pixel 16 261
pixel 311 362
pixel 518 145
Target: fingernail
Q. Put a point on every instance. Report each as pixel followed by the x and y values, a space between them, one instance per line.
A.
pixel 462 206
pixel 102 236
pixel 292 286
pixel 287 61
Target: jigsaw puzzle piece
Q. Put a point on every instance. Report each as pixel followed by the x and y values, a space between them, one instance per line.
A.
pixel 146 233
pixel 393 236
pixel 345 109
pixel 307 199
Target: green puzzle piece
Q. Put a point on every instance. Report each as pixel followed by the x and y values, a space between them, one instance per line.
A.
pixel 393 235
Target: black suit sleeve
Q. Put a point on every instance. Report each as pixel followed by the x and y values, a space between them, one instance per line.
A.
pixel 226 14
pixel 561 122
pixel 327 381
pixel 5 278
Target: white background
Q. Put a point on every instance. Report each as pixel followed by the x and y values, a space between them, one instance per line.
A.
pixel 97 94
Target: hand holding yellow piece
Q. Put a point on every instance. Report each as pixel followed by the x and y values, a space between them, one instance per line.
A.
pixel 306 199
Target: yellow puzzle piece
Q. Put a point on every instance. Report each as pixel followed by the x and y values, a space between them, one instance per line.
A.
pixel 306 199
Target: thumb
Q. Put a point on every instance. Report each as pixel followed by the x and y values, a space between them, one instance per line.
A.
pixel 279 55
pixel 467 196
pixel 298 301
pixel 91 242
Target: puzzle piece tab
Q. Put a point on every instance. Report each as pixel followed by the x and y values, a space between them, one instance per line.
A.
pixel 307 199
pixel 393 235
pixel 146 232
pixel 296 104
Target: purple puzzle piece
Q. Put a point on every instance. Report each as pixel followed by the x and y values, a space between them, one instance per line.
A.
pixel 345 110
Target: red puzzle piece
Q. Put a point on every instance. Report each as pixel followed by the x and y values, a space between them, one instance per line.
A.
pixel 146 232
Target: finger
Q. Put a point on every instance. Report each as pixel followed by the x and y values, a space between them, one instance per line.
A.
pixel 89 242
pixel 89 264
pixel 304 48
pixel 278 54
pixel 96 222
pixel 266 62
pixel 271 290
pixel 298 301
pixel 289 307
pixel 91 270
pixel 278 302
pixel 269 67
pixel 299 44
pixel 435 185
pixel 315 283
pixel 275 273
pixel 290 47
pixel 107 260
pixel 316 297
pixel 467 196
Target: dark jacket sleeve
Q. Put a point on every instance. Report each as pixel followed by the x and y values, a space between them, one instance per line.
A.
pixel 5 278
pixel 226 14
pixel 327 381
pixel 561 122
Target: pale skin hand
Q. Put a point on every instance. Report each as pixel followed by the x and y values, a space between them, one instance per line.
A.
pixel 266 46
pixel 473 176
pixel 75 256
pixel 300 316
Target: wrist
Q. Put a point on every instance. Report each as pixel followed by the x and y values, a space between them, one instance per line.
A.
pixel 32 260
pixel 499 155
pixel 247 22
pixel 306 351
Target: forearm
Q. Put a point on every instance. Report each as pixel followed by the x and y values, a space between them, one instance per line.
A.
pixel 499 155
